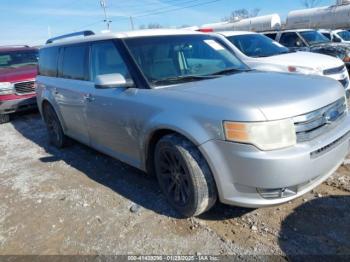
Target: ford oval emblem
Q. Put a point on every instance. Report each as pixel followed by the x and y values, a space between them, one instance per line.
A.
pixel 331 116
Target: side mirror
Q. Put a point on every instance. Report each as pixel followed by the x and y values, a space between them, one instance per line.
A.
pixel 112 81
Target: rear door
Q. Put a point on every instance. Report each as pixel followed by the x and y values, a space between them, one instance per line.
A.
pixel 73 89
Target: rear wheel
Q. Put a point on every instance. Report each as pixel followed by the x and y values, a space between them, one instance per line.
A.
pixel 184 176
pixel 54 128
pixel 4 118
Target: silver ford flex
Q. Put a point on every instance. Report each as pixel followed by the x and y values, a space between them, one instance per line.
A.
pixel 180 105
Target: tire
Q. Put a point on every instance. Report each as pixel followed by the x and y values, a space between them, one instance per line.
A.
pixel 4 118
pixel 54 128
pixel 184 176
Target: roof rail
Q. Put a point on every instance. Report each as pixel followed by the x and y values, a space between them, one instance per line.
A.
pixel 83 33
pixel 14 46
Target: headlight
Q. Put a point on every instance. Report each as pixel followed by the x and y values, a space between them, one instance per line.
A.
pixel 304 70
pixel 6 88
pixel 269 135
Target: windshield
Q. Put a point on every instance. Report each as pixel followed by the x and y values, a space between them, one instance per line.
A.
pixel 14 59
pixel 182 58
pixel 345 35
pixel 314 37
pixel 255 45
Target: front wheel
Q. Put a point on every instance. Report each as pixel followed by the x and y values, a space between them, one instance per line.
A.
pixel 184 176
pixel 4 118
pixel 54 128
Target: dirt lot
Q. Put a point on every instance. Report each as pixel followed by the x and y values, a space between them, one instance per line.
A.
pixel 78 201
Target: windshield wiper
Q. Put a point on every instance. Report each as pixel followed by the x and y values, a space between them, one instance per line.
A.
pixel 228 71
pixel 181 79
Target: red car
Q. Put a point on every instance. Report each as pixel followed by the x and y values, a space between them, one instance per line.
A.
pixel 18 69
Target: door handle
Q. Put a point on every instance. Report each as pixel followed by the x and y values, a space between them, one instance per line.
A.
pixel 55 91
pixel 88 97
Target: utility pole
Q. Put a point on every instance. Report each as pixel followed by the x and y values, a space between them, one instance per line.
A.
pixel 132 23
pixel 106 20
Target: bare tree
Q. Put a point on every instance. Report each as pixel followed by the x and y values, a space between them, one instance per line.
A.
pixel 241 14
pixel 310 3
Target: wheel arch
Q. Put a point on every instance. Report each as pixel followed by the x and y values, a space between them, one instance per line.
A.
pixel 46 101
pixel 152 140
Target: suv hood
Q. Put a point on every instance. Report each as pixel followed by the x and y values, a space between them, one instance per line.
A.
pixel 18 74
pixel 276 95
pixel 303 59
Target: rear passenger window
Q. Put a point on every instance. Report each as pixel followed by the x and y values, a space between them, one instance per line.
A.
pixel 48 61
pixel 74 63
pixel 106 59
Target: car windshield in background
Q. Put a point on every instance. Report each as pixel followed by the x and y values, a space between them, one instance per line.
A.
pixel 14 59
pixel 345 35
pixel 183 58
pixel 255 45
pixel 314 37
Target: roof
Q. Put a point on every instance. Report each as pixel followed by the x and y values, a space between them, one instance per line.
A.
pixel 235 33
pixel 9 48
pixel 297 30
pixel 123 35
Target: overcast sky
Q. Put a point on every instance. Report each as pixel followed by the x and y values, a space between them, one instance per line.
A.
pixel 32 21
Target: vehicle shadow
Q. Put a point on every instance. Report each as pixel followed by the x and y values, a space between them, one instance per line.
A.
pixel 318 230
pixel 135 185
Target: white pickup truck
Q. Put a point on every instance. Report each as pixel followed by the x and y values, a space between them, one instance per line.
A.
pixel 262 53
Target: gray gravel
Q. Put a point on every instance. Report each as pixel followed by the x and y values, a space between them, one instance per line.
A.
pixel 78 201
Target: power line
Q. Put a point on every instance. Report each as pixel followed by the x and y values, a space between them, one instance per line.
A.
pixel 136 14
pixel 179 8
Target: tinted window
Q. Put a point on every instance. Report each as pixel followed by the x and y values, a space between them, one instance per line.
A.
pixel 314 37
pixel 255 45
pixel 328 35
pixel 48 61
pixel 107 60
pixel 74 62
pixel 162 58
pixel 291 40
pixel 272 36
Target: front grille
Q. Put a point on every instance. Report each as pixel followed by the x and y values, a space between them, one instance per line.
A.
pixel 318 122
pixel 25 87
pixel 335 70
pixel 344 82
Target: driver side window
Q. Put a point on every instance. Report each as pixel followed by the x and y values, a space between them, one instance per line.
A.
pixel 291 40
pixel 105 59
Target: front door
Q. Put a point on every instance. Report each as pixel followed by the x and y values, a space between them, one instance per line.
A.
pixel 111 114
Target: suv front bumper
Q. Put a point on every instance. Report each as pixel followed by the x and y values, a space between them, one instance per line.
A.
pixel 246 176
pixel 18 104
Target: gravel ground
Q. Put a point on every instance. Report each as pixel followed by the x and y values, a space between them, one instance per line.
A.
pixel 78 201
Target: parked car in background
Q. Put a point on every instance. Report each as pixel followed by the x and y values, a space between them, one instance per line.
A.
pixel 338 36
pixel 179 104
pixel 18 69
pixel 261 53
pixel 312 41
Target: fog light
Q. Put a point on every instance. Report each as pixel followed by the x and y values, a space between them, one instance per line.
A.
pixel 276 193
